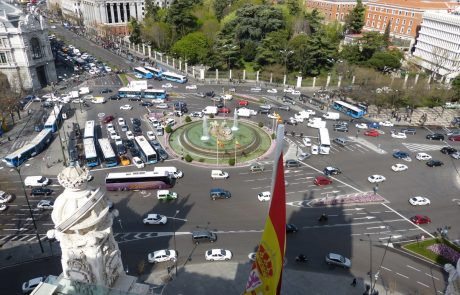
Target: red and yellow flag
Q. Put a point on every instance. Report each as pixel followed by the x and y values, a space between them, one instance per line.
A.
pixel 266 272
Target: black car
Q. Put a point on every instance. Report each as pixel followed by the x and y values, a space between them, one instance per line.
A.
pixel 219 105
pixel 291 228
pixel 448 150
pixel 155 144
pixel 163 154
pixel 434 163
pixel 408 130
pixel 136 121
pixel 146 104
pixel 288 99
pixel 284 107
pixel 114 97
pixel 210 94
pixel 106 90
pixel 218 193
pixel 435 136
pixel 156 78
pixel 340 128
pixel 331 171
pixel 137 130
pixel 134 152
pixel 134 99
pixel 121 149
pixel 41 191
pixel 289 122
pixel 292 163
pixel 128 143
pixel 264 111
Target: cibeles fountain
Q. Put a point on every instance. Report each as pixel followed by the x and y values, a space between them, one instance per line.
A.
pixel 83 226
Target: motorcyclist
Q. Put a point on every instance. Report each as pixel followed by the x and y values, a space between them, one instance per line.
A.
pixel 323 217
pixel 301 257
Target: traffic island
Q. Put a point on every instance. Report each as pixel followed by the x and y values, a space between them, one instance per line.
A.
pixel 437 250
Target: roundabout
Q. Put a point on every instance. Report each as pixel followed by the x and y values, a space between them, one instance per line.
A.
pixel 220 141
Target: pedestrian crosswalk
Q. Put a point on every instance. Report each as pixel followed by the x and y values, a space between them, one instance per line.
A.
pixel 352 147
pixel 420 147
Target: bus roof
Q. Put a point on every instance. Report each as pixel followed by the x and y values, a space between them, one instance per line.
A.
pixel 136 174
pixel 324 136
pixel 172 74
pixel 145 145
pixel 20 151
pixel 130 89
pixel 106 148
pixel 56 112
pixel 90 148
pixel 142 70
pixel 42 135
pixel 89 129
pixel 152 69
pixel 155 90
pixel 347 105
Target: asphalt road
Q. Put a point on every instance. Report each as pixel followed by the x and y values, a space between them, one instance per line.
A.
pixel 239 220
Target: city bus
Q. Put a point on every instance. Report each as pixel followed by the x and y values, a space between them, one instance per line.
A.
pixel 126 92
pixel 348 109
pixel 54 119
pixel 148 154
pixel 143 72
pixel 170 76
pixel 90 152
pixel 107 152
pixel 139 180
pixel 156 72
pixel 72 148
pixel 154 93
pixel 36 146
pixel 324 141
pixel 89 130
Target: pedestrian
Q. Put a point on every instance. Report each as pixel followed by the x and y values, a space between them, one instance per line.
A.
pixel 354 282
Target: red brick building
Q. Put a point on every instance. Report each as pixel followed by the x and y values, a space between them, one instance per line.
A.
pixel 332 9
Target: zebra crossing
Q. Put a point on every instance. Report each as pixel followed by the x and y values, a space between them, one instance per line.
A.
pixel 352 147
pixel 420 147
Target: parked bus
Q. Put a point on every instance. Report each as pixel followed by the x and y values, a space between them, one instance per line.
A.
pixel 89 130
pixel 348 109
pixel 170 76
pixel 90 152
pixel 156 72
pixel 139 180
pixel 40 120
pixel 126 92
pixel 107 152
pixel 143 72
pixel 154 93
pixel 72 148
pixel 36 146
pixel 54 119
pixel 324 141
pixel 148 154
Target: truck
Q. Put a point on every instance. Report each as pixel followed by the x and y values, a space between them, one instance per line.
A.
pixel 301 116
pixel 316 123
pixel 331 116
pixel 210 110
pixel 173 171
pixel 84 90
pixel 244 112
pixel 219 174
pixel 98 99
pixel 74 94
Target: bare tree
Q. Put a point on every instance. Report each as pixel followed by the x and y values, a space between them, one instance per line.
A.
pixel 443 60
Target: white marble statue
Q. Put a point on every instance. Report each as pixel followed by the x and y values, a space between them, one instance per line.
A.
pixel 453 286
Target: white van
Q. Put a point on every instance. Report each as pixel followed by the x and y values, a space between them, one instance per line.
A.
pixel 166 195
pixel 98 99
pixel 244 112
pixel 210 110
pixel 227 97
pixel 316 123
pixel 84 90
pixel 36 181
pixel 219 174
pixel 331 116
pixel 176 173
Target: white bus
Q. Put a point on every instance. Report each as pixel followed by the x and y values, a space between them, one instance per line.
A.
pixel 90 152
pixel 143 72
pixel 156 72
pixel 129 92
pixel 89 130
pixel 108 153
pixel 324 141
pixel 170 76
pixel 52 123
pixel 148 154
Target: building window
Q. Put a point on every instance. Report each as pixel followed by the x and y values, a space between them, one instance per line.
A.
pixel 385 19
pixel 408 30
pixel 384 26
pixel 397 21
pixel 400 12
pixel 367 24
pixel 368 15
pixel 402 30
pixel 373 17
pixel 3 59
pixel 410 23
pixel 35 48
pixel 378 25
pixel 337 16
pixel 380 17
pixel 373 24
pixel 395 29
pixel 413 14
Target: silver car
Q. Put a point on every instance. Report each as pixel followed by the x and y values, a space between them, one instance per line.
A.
pixel 257 167
pixel 455 155
pixel 337 259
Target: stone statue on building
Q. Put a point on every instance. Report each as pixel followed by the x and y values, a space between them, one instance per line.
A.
pixel 453 287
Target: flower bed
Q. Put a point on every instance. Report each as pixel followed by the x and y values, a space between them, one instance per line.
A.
pixel 445 251
pixel 348 199
pixel 437 250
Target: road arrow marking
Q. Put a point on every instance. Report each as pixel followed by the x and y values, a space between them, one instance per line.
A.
pixel 381 227
pixel 356 209
pixel 367 217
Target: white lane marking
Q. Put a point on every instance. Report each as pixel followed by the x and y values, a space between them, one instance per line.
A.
pixel 423 284
pixel 352 224
pixel 432 276
pixel 425 231
pixel 413 267
pixel 386 268
pixel 366 217
pixel 401 230
pixel 375 212
pixel 381 227
pixel 356 209
pixel 401 275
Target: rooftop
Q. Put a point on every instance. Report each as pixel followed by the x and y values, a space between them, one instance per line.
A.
pixel 417 4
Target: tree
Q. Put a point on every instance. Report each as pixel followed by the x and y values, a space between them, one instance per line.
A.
pixel 135 31
pixel 386 35
pixel 151 10
pixel 219 8
pixel 354 21
pixel 293 7
pixel 269 49
pixel 193 47
pixel 351 53
pixel 180 17
pixel 371 42
pixel 314 20
pixel 456 88
pixel 158 34
pixel 383 60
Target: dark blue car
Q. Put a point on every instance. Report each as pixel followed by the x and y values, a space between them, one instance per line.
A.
pixel 373 125
pixel 400 155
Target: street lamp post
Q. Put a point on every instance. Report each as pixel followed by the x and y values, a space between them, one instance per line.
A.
pixel 174 237
pixel 286 54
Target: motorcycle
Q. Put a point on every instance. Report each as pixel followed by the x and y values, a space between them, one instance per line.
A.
pixel 301 258
pixel 323 218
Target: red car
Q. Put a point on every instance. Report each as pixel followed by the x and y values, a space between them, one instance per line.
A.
pixel 224 110
pixel 372 132
pixel 322 180
pixel 419 219
pixel 454 138
pixel 107 119
pixel 243 103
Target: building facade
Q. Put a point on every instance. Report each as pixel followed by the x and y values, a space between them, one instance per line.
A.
pixel 25 52
pixel 332 9
pixel 437 48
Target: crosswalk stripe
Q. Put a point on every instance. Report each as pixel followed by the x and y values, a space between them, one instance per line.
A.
pixel 419 147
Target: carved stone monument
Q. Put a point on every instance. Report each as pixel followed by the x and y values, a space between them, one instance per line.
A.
pixel 453 286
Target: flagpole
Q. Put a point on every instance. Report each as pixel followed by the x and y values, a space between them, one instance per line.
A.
pixel 235 150
pixel 278 151
pixel 217 154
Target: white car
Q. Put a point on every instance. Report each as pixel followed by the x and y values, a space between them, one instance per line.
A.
pixel 121 122
pixel 314 149
pixel 196 114
pixel 126 107
pixel 419 201
pixel 107 69
pixel 191 87
pixel 167 85
pixel 423 157
pixel 303 155
pixel 218 255
pixel 78 100
pixel 306 141
pixel 5 198
pixel 162 256
pixel 264 196
pixel 113 134
pixel 296 92
pixel 272 116
pixel 256 89
pixel 155 219
pixel 272 90
pixel 376 178
pixel 151 135
pixel 30 285
pixel 138 76
pixel 110 127
pixel 170 122
pixel 129 135
pixel 361 126
pixel 288 90
pixel 45 204
pixel 386 124
pixel 310 112
pixel 162 106
pixel 399 167
pixel 399 135
pixel 138 162
pixel 3 207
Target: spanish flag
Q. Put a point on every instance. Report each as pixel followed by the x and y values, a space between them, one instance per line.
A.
pixel 266 272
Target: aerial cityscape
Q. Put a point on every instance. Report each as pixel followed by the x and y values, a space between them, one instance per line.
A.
pixel 230 147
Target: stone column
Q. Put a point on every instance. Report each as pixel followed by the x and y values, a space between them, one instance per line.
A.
pixel 167 60
pixel 353 80
pixel 186 68
pixel 112 13
pixel 125 12
pixel 193 72
pixel 180 64
pixel 340 81
pixel 217 75
pixel 314 82
pixel 271 78
pixel 244 75
pixel 405 80
pixel 161 57
pixel 155 52
pixel 174 60
pixel 328 80
pixel 416 79
pixel 143 48
pixel 118 12
pixel 104 14
pixel 299 81
pixel 284 80
pixel 202 74
pixel 257 77
pixel 138 47
pixel 150 51
pixel 230 74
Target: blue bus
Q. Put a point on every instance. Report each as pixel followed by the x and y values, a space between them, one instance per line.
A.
pixel 89 130
pixel 348 109
pixel 126 92
pixel 143 72
pixel 154 93
pixel 54 119
pixel 90 152
pixel 156 72
pixel 36 146
pixel 170 76
pixel 107 152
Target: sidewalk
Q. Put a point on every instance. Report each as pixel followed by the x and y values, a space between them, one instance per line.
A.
pixel 230 278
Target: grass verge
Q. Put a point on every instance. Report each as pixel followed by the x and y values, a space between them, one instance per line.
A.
pixel 124 79
pixel 420 248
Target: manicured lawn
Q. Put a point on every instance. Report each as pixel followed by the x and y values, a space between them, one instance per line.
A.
pixel 124 79
pixel 421 248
